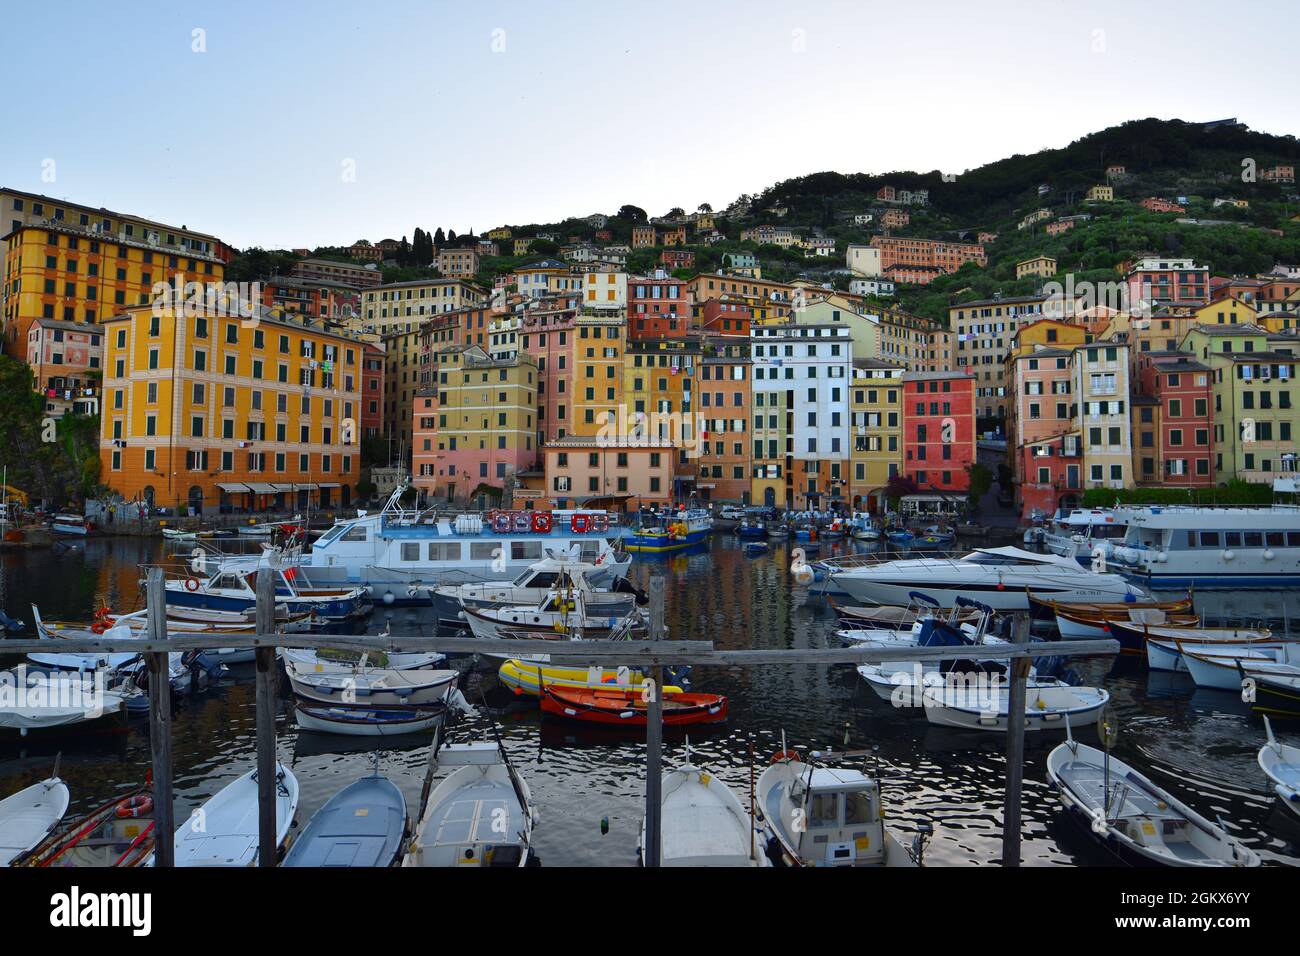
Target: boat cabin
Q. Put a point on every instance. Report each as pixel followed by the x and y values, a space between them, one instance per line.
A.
pixel 841 813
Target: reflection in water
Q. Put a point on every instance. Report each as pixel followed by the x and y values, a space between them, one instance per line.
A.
pixel 1200 744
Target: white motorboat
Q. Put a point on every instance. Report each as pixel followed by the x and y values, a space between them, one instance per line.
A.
pixel 1281 764
pixel 73 524
pixel 1133 818
pixel 350 721
pixel 532 587
pixel 373 688
pixel 223 832
pixel 1079 532
pixel 819 815
pixel 985 705
pixel 231 585
pixel 29 816
pixel 562 611
pixel 481 814
pixel 703 823
pixel 998 577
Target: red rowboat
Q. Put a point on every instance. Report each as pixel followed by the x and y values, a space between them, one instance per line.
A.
pixel 623 706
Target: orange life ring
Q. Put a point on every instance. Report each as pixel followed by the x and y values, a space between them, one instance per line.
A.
pixel 542 522
pixel 191 584
pixel 580 524
pixel 784 755
pixel 99 627
pixel 140 805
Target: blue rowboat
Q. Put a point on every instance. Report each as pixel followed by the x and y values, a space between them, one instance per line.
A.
pixel 362 825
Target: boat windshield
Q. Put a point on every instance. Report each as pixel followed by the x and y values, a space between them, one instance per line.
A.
pixel 857 808
pixel 331 534
pixel 825 810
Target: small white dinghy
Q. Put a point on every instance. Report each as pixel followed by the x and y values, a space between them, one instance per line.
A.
pixel 223 832
pixel 703 823
pixel 1280 763
pixel 1133 818
pixel 373 687
pixel 29 816
pixel 979 706
pixel 1219 669
pixel 481 814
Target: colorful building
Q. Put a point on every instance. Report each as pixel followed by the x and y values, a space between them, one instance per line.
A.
pixel 66 359
pixel 725 399
pixel 1177 447
pixel 1101 384
pixel 876 427
pixel 939 429
pixel 211 411
pixel 658 307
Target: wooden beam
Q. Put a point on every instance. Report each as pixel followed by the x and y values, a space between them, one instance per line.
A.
pixel 580 652
pixel 1015 744
pixel 267 678
pixel 160 722
pixel 654 735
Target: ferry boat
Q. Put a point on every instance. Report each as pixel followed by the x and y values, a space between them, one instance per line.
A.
pixel 1181 546
pixel 672 532
pixel 397 553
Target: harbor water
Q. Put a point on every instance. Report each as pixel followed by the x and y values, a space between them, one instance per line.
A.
pixel 1201 745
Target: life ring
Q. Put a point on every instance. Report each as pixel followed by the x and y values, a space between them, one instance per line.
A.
pixel 580 524
pixel 542 522
pixel 501 523
pixel 600 523
pixel 140 805
pixel 521 522
pixel 191 584
pixel 99 627
pixel 784 755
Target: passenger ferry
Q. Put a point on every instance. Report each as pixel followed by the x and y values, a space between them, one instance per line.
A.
pixel 672 532
pixel 396 549
pixel 1181 546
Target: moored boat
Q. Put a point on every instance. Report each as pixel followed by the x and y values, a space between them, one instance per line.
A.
pixel 28 817
pixel 672 532
pixel 224 831
pixel 373 687
pixel 1133 818
pixel 362 721
pixel 703 823
pixel 363 825
pixel 118 833
pixel 626 706
pixel 526 676
pixel 985 706
pixel 1281 764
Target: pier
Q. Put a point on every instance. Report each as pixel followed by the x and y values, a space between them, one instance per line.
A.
pixel 655 652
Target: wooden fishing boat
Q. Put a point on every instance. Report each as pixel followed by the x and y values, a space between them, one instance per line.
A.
pixel 624 706
pixel 480 815
pixel 1048 706
pixel 1269 694
pixel 119 833
pixel 1165 654
pixel 1133 818
pixel 363 825
pixel 373 688
pixel 365 721
pixel 1133 635
pixel 1281 764
pixel 28 816
pixel 893 617
pixel 1222 670
pixel 1044 607
pixel 1077 626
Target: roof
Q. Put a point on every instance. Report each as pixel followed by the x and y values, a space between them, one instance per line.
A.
pixel 934 376
pixel 106 212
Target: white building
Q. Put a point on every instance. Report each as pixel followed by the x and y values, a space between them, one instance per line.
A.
pixel 863 261
pixel 880 287
pixel 801 391
pixel 604 290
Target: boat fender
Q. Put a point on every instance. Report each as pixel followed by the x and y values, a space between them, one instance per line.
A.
pixel 1268 554
pixel 388 597
pixel 1228 555
pixel 140 805
pixel 191 584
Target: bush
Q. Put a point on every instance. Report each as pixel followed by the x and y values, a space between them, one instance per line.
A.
pixel 1234 493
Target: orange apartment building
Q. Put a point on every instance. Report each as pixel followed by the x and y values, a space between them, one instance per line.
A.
pixel 724 400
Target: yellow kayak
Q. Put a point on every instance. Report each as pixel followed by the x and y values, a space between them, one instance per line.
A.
pixel 522 676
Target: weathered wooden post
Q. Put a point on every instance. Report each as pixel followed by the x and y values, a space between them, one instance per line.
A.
pixel 1019 671
pixel 266 702
pixel 160 721
pixel 654 734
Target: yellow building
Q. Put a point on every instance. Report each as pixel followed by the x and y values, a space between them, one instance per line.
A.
pixel 211 410
pixel 500 232
pixel 604 290
pixel 1038 266
pixel 402 306
pixel 69 274
pixel 876 406
pixel 1101 194
pixel 598 371
pixel 659 378
pixel 1228 311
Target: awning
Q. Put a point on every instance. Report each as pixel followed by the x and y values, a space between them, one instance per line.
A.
pixel 234 487
pixel 329 484
pixel 261 488
pixel 298 486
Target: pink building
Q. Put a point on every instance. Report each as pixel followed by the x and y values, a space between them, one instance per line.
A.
pixel 548 335
pixel 65 358
pixel 1157 280
pixel 1047 459
pixel 627 473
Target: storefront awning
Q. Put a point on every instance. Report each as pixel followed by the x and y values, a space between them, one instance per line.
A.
pixel 261 488
pixel 234 487
pixel 296 486
pixel 329 484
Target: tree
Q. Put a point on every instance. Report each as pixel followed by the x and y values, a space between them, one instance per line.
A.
pixel 704 207
pixel 439 237
pixel 633 214
pixel 981 480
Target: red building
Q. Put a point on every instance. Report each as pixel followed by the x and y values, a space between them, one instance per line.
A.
pixel 726 316
pixel 658 308
pixel 372 391
pixel 1182 454
pixel 677 259
pixel 938 429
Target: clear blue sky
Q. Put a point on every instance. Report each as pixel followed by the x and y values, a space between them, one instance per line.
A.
pixel 589 105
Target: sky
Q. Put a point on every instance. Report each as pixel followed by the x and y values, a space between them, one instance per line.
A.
pixel 286 124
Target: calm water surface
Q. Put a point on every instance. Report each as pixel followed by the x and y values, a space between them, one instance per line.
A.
pixel 1199 744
